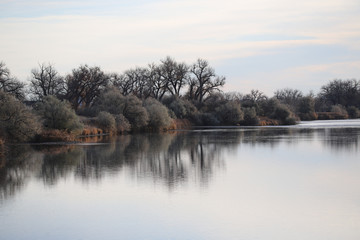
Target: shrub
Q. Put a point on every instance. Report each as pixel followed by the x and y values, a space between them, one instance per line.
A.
pixel 268 107
pixel 353 112
pixel 182 108
pixel 135 113
pixel 106 121
pixel 111 101
pixel 18 123
pixel 250 117
pixel 339 109
pixel 159 118
pixel 306 108
pixel 308 116
pixel 122 124
pixel 229 114
pixel 58 114
pixel 284 115
pixel 209 119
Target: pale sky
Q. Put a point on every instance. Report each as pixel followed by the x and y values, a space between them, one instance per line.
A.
pixel 256 44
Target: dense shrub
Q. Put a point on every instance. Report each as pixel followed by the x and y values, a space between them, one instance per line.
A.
pixel 353 112
pixel 284 115
pixel 17 122
pixel 158 114
pixel 58 114
pixel 135 112
pixel 111 101
pixel 306 108
pixel 208 119
pixel 340 110
pixel 182 108
pixel 268 106
pixel 250 117
pixel 106 122
pixel 229 114
pixel 122 124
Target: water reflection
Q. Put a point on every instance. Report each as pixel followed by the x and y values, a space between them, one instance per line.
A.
pixel 170 159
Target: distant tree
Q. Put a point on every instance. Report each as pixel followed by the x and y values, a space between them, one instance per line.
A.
pixel 58 114
pixel 10 84
pixel 136 82
pixel 84 85
pixel 17 122
pixel 46 81
pixel 255 99
pixel 123 83
pixel 158 85
pixel 174 74
pixel 289 96
pixel 203 81
pixel 343 92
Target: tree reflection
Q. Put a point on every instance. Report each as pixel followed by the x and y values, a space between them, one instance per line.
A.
pixel 16 168
pixel 171 159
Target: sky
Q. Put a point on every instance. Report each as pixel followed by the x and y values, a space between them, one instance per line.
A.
pixel 255 44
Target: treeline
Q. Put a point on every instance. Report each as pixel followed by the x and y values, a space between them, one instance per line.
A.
pixel 157 97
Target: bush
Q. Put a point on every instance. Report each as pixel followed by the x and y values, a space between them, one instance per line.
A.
pixel 58 114
pixel 106 122
pixel 209 119
pixel 18 123
pixel 111 101
pixel 268 107
pixel 308 116
pixel 353 112
pixel 284 115
pixel 250 117
pixel 339 109
pixel 159 118
pixel 135 113
pixel 122 124
pixel 306 108
pixel 182 108
pixel 229 114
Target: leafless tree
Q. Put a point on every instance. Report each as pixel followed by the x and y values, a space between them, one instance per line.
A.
pixel 10 84
pixel 174 74
pixel 46 81
pixel 203 80
pixel 84 85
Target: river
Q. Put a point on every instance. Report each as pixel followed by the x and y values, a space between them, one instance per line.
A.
pixel 295 182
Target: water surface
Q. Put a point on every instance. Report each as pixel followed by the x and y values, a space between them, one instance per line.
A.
pixel 299 182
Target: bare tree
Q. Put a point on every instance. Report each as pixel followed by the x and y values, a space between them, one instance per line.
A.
pixel 289 96
pixel 10 84
pixel 174 74
pixel 46 81
pixel 158 85
pixel 84 85
pixel 203 80
pixel 344 92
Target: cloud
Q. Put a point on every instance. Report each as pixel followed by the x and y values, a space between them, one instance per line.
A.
pixel 119 35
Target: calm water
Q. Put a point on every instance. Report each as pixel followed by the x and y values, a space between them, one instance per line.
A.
pixel 300 182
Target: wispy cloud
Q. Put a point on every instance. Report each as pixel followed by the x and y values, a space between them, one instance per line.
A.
pixel 121 34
